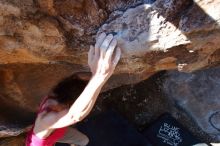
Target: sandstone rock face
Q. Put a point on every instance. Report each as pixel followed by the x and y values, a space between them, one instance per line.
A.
pixel 18 141
pixel 154 33
pixel 198 95
pixel 44 41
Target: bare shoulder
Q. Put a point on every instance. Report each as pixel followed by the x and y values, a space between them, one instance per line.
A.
pixel 51 117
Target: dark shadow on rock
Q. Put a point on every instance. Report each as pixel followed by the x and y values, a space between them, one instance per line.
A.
pixel 14 119
pixel 197 95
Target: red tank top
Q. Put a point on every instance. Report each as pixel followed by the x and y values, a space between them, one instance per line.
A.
pixel 33 140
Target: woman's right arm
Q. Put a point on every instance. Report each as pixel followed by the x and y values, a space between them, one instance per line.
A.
pixel 103 59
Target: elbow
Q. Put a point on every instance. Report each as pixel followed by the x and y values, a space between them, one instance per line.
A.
pixel 76 118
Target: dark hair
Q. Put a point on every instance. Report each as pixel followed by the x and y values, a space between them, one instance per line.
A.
pixel 68 90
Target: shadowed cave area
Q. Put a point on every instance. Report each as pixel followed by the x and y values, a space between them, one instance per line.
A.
pixel 141 104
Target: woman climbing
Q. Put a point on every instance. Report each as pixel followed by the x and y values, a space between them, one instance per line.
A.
pixel 56 112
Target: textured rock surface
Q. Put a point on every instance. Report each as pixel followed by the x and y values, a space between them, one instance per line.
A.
pixel 156 33
pixel 44 41
pixel 197 94
pixel 141 104
pixel 18 141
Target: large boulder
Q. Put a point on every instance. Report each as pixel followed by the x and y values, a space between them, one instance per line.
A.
pixel 44 41
pixel 197 94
